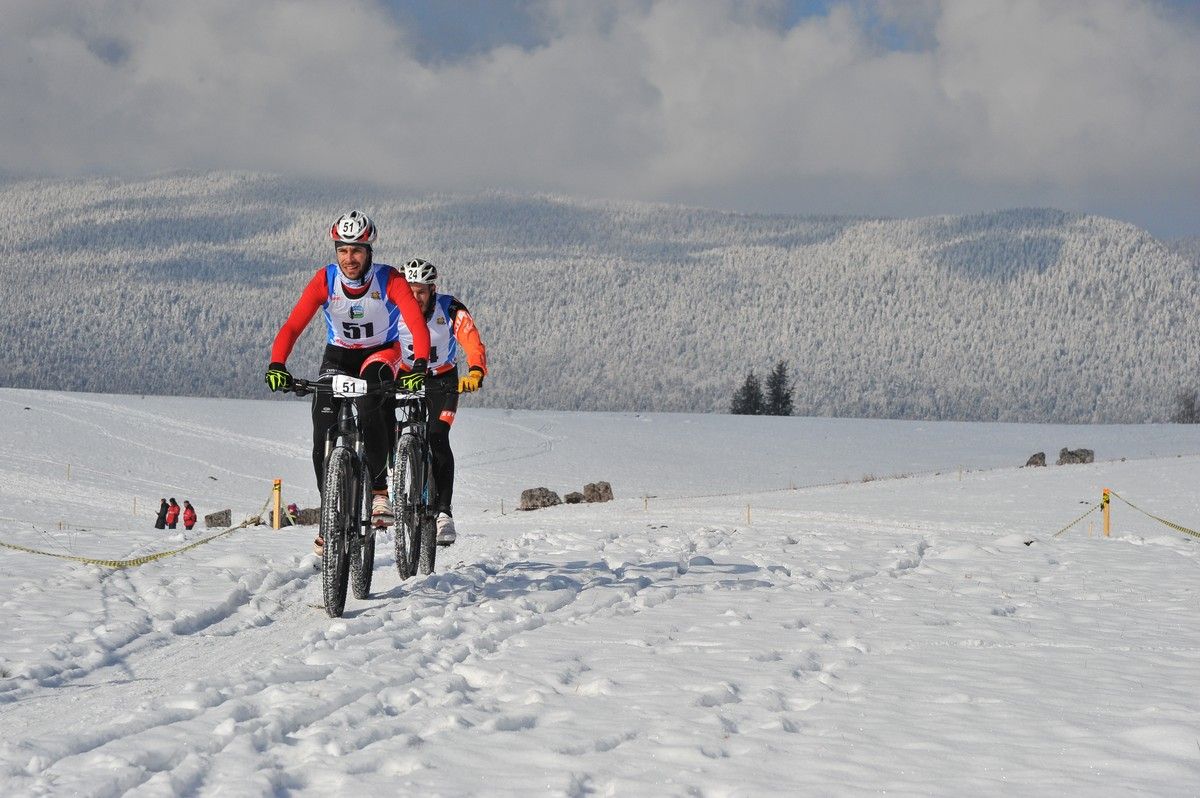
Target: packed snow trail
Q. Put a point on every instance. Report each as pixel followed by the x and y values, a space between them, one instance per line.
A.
pixel 916 636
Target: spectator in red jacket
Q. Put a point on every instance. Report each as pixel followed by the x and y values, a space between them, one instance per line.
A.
pixel 189 515
pixel 172 514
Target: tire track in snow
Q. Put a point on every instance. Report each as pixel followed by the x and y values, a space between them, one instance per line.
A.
pixel 418 658
pixel 485 606
pixel 149 653
pixel 491 457
pixel 168 424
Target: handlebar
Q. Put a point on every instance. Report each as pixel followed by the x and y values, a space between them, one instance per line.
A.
pixel 351 387
pixel 303 387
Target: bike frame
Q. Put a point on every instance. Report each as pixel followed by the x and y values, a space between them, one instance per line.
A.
pixel 347 525
pixel 348 530
pixel 411 419
pixel 412 413
pixel 347 431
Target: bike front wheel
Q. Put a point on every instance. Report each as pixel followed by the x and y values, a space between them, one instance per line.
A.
pixel 340 507
pixel 406 504
pixel 362 562
pixel 428 525
pixel 428 544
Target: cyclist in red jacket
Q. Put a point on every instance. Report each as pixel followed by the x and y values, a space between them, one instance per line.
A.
pixel 365 305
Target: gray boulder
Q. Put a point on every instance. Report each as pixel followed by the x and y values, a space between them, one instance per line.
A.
pixel 597 492
pixel 1037 459
pixel 222 519
pixel 1072 456
pixel 534 498
pixel 574 497
pixel 308 516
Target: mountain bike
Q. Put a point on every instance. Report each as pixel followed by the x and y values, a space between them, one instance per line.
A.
pixel 413 488
pixel 348 555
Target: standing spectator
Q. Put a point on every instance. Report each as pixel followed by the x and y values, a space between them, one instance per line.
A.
pixel 172 514
pixel 189 515
pixel 161 521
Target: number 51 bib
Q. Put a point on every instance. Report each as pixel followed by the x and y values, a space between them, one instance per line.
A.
pixel 370 320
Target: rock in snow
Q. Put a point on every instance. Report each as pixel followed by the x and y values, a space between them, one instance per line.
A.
pixel 1072 456
pixel 535 498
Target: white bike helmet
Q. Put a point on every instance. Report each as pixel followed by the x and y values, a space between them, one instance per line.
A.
pixel 354 227
pixel 420 271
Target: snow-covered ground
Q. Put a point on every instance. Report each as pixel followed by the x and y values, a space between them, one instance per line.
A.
pixel 770 606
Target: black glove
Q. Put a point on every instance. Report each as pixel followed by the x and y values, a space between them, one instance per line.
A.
pixel 415 379
pixel 278 377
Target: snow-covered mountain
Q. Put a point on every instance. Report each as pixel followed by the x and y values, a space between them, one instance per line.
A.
pixel 177 285
pixel 711 631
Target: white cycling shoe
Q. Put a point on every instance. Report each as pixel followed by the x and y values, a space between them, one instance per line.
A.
pixel 381 511
pixel 445 530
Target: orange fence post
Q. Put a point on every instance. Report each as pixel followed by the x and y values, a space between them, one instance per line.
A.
pixel 278 495
pixel 1104 505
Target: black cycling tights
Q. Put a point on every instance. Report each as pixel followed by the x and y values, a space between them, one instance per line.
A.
pixel 443 464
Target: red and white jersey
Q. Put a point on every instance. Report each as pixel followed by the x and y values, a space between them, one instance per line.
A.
pixel 355 323
pixel 370 320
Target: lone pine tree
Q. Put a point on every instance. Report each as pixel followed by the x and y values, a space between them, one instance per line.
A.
pixel 779 392
pixel 748 401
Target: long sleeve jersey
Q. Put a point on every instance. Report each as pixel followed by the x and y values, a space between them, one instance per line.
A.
pixel 357 319
pixel 449 326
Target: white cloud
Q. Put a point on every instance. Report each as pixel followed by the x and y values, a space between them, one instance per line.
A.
pixel 1088 106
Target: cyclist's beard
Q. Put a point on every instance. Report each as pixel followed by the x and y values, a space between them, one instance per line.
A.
pixel 363 278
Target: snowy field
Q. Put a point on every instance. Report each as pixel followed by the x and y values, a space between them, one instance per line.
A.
pixel 770 607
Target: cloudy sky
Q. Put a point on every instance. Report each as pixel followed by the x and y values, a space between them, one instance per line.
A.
pixel 895 107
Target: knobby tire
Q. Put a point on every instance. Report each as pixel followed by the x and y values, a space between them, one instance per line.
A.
pixel 362 560
pixel 406 504
pixel 340 508
pixel 428 544
pixel 428 525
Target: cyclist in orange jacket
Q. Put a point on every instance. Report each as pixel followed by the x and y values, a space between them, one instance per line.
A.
pixel 450 327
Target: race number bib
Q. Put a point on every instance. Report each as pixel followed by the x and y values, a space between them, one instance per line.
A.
pixel 345 386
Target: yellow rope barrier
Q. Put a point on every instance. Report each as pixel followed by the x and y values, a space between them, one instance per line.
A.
pixel 1165 522
pixel 250 521
pixel 1076 521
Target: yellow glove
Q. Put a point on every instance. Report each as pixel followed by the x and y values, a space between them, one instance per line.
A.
pixel 471 382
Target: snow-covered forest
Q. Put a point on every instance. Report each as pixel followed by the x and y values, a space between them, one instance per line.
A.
pixel 177 285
